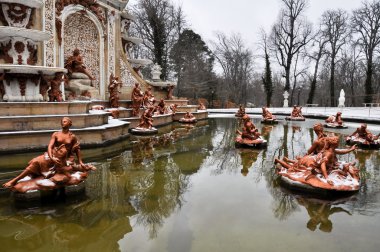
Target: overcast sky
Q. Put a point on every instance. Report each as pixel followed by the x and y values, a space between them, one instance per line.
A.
pixel 247 16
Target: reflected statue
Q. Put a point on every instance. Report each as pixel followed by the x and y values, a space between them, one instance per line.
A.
pixel 248 158
pixel 320 213
pixel 56 167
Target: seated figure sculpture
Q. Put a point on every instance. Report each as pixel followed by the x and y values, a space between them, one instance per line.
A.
pixel 268 117
pixel 137 99
pixel 146 120
pixel 335 121
pixel 320 168
pixel 241 111
pixel 363 137
pixel 75 64
pixel 188 118
pixel 201 106
pixel 161 108
pixel 249 136
pixel 296 114
pixel 56 167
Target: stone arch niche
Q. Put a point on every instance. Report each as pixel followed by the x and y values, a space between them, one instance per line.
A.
pixel 81 29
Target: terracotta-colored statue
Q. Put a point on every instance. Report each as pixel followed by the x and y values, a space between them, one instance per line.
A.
pixel 170 89
pixel 113 89
pixel 56 167
pixel 241 111
pixel 137 99
pixel 335 121
pixel 146 120
pixel 322 170
pixel 173 108
pixel 148 99
pixel 201 106
pixel 75 64
pixel 267 115
pixel 55 93
pixel 319 143
pixel 161 108
pixel 363 137
pixel 249 135
pixel 296 114
pixel 188 118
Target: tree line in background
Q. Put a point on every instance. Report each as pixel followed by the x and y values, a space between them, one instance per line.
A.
pixel 312 63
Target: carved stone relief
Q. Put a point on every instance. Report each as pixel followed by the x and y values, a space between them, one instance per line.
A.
pixel 111 42
pixel 126 76
pixel 19 50
pixel 80 32
pixel 16 15
pixel 49 27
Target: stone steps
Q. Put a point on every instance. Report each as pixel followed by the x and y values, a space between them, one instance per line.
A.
pixel 26 141
pixel 51 122
pixel 43 108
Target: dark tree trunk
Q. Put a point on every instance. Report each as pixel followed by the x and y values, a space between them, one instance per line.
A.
pixel 368 82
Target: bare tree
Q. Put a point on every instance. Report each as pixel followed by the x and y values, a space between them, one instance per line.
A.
pixel 336 31
pixel 297 72
pixel 366 22
pixel 267 77
pixel 290 34
pixel 159 23
pixel 350 71
pixel 237 63
pixel 319 43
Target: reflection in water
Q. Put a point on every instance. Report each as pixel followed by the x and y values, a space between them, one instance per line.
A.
pixel 248 157
pixel 319 213
pixel 183 190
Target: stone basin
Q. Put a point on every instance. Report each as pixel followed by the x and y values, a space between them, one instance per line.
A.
pixel 27 69
pixel 35 35
pixel 30 3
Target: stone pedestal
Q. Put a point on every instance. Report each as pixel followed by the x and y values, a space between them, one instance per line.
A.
pixel 80 87
pixel 286 96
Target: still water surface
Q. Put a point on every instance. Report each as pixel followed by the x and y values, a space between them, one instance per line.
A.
pixel 190 189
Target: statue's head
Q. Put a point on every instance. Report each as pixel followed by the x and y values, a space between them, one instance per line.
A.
pixel 318 127
pixel 76 52
pixel 332 141
pixel 339 113
pixel 363 126
pixel 66 122
pixel 246 117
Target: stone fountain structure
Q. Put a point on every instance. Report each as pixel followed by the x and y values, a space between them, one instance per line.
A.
pixel 20 52
pixel 37 37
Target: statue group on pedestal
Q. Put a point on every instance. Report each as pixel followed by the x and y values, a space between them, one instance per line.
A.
pixel 56 167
